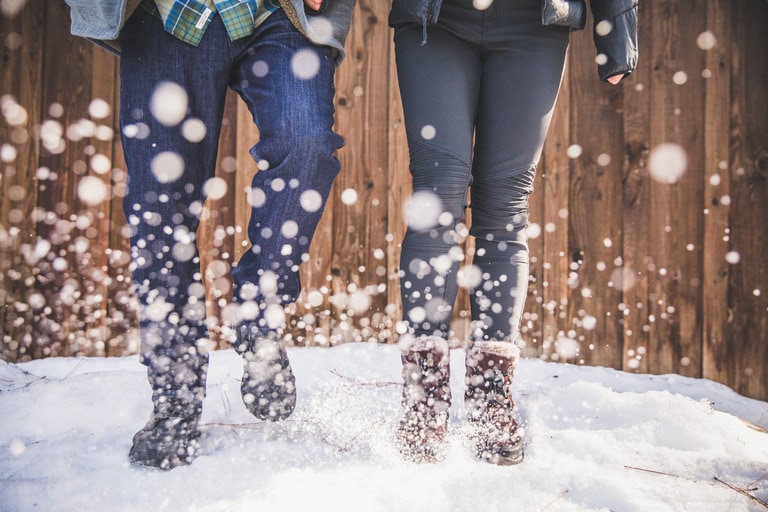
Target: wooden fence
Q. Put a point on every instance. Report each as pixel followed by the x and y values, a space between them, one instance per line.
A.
pixel 628 271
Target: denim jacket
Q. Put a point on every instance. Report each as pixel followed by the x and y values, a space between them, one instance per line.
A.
pixel 102 20
pixel 619 45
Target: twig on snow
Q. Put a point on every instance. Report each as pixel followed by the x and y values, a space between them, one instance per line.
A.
pixel 652 471
pixel 761 478
pixel 363 383
pixel 742 491
pixel 554 500
pixel 73 370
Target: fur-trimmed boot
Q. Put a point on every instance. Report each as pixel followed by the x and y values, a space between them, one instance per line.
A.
pixel 488 400
pixel 426 397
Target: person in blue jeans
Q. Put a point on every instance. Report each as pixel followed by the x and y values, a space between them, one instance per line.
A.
pixel 177 60
pixel 479 80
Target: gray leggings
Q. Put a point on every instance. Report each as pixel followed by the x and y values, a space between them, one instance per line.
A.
pixel 477 98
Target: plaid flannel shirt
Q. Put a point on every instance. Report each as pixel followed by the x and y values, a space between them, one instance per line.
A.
pixel 188 19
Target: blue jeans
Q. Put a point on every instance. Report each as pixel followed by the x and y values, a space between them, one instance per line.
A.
pixel 477 98
pixel 168 170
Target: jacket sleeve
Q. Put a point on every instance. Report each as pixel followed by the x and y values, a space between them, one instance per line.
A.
pixel 615 36
pixel 329 29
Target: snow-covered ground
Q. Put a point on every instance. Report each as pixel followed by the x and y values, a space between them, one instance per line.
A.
pixel 596 439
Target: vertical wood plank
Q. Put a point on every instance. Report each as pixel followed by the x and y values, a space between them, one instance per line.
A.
pixel 21 81
pixel 746 349
pixel 636 201
pixel 675 222
pixel 717 159
pixel 595 207
pixel 549 290
pixel 358 227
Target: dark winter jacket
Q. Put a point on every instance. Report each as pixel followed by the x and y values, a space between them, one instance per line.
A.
pixel 618 45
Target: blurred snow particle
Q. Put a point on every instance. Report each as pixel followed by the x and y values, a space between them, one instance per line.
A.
pixel 311 200
pixel 622 279
pixel 10 8
pixel 51 133
pixel 469 276
pixel 567 348
pixel 680 78
pixel 193 129
pixel 183 251
pixel 756 292
pixel 256 197
pixel 714 180
pixel 574 151
pixel 15 114
pixel 423 210
pixel 169 103
pixel 603 159
pixel 349 196
pixel 601 59
pixel 100 164
pixel 99 109
pixel 91 190
pixel 706 40
pixel 290 229
pixel 668 162
pixel 17 448
pixel 167 167
pixel 275 316
pixel 732 257
pixel 603 28
pixel 138 131
pixel 13 40
pixel 268 283
pixel 260 69
pixel 481 5
pixel 589 323
pixel 534 230
pixel 215 188
pixel 8 153
pixel 158 310
pixel 428 132
pixel 305 64
pixel 314 298
pixel 359 301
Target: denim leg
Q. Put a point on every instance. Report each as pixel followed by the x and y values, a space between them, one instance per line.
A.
pixel 287 84
pixel 168 166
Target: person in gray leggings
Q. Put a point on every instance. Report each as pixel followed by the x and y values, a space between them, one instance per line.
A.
pixel 479 85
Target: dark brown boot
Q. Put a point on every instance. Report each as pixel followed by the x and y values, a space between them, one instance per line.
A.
pixel 488 400
pixel 426 397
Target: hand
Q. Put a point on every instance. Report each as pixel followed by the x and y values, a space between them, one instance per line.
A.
pixel 314 5
pixel 613 79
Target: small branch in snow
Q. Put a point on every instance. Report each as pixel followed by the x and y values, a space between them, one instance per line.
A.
pixel 554 500
pixel 652 471
pixel 362 383
pixel 341 449
pixel 743 492
pixel 761 478
pixel 73 370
